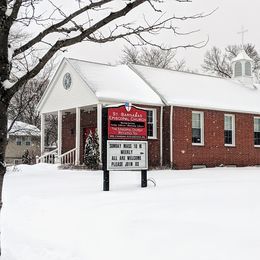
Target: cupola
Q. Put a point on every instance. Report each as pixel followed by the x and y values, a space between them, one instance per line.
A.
pixel 242 66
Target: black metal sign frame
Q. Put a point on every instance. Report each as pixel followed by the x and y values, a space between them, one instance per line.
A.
pixel 106 181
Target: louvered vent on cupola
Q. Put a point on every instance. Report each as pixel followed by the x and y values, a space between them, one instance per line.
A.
pixel 242 68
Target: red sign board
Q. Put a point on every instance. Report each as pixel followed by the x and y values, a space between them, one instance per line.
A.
pixel 127 123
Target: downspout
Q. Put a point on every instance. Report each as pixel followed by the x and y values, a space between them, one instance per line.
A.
pixel 161 137
pixel 171 137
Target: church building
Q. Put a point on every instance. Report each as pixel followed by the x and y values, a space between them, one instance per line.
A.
pixel 194 120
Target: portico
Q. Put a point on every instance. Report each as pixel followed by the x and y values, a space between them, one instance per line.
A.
pixel 72 156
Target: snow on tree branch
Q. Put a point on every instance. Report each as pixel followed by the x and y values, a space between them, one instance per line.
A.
pixel 7 84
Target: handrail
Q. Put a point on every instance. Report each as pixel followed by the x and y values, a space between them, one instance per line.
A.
pixel 51 152
pixel 68 157
pixel 74 149
pixel 47 157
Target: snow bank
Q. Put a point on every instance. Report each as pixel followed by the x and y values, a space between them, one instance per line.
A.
pixel 63 215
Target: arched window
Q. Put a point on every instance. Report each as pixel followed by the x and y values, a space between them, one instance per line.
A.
pixel 238 69
pixel 248 69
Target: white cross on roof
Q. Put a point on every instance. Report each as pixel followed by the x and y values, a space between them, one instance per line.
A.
pixel 242 32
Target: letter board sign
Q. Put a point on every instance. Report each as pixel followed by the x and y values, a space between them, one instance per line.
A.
pixel 126 155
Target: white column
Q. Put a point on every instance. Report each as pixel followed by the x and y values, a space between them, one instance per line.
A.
pixel 77 159
pixel 171 136
pixel 99 128
pixel 161 136
pixel 59 132
pixel 42 133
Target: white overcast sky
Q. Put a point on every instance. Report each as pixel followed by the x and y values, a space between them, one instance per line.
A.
pixel 221 28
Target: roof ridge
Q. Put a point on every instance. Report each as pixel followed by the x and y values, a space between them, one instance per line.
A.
pixel 186 72
pixel 19 121
pixel 93 62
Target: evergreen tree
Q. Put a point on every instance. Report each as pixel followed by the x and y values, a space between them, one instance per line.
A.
pixel 92 156
pixel 26 159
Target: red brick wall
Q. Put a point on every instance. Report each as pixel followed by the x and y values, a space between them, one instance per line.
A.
pixel 88 119
pixel 154 144
pixel 166 136
pixel 213 153
pixel 68 132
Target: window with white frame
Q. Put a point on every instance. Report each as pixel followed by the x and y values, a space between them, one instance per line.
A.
pixel 257 131
pixel 197 128
pixel 229 130
pixel 18 141
pixel 27 141
pixel 151 123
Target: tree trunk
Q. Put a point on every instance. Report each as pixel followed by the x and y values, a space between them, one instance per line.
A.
pixel 3 143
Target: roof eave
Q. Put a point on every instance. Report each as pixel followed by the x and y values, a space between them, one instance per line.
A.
pixel 46 92
pixel 222 109
pixel 116 100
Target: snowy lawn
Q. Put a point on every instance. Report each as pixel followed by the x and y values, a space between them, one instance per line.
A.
pixel 207 214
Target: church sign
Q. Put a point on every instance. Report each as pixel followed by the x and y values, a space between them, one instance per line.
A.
pixel 126 155
pixel 124 145
pixel 127 125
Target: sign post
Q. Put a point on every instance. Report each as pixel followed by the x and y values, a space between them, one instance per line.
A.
pixel 125 146
pixel 106 181
pixel 144 178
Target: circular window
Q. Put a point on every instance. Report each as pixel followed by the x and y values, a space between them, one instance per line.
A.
pixel 67 81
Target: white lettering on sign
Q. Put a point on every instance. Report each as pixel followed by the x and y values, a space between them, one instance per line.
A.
pixel 127 155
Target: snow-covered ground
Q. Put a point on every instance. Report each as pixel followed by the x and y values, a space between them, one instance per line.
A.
pixel 207 214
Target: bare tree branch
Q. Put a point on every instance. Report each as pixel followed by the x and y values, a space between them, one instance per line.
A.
pixel 219 63
pixel 14 14
pixel 154 57
pixel 55 28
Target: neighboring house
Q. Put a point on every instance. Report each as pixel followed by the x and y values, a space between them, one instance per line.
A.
pixel 193 119
pixel 22 137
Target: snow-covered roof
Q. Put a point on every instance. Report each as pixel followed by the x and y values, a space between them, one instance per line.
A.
pixel 146 85
pixel 23 129
pixel 242 56
pixel 115 83
pixel 201 91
